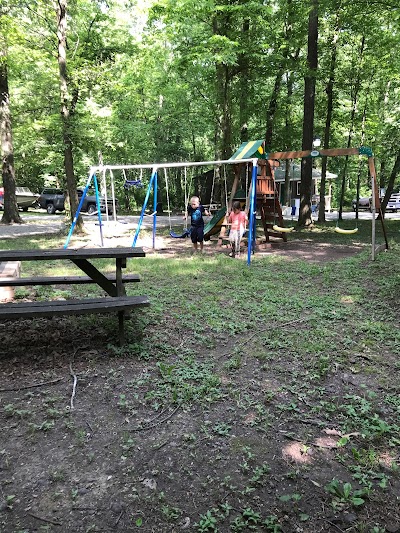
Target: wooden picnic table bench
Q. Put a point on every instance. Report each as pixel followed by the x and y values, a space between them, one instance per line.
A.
pixel 112 284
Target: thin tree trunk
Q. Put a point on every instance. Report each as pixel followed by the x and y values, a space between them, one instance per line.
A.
pixel 68 104
pixel 305 218
pixel 288 129
pixel 11 213
pixel 273 102
pixel 357 85
pixel 383 109
pixel 329 110
pixel 390 185
pixel 360 163
pixel 223 148
pixel 244 71
pixel 273 105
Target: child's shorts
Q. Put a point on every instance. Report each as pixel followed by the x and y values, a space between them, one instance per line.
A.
pixel 197 234
pixel 235 235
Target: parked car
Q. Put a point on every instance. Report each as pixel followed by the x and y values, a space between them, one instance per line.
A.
pixel 24 196
pixel 52 200
pixel 363 203
pixel 394 202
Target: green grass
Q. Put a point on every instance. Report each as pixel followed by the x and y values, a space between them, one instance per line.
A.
pixel 294 346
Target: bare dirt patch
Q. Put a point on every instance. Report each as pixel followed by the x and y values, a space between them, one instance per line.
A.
pixel 171 434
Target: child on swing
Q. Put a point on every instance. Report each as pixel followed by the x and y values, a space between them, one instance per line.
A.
pixel 196 212
pixel 238 221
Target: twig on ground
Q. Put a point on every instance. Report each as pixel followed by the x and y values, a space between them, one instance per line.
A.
pixel 290 437
pixel 73 386
pixel 48 520
pixel 271 328
pixel 119 517
pixel 41 384
pixel 154 425
pixel 334 525
pixel 311 421
pixel 74 376
pixel 157 416
pixel 159 446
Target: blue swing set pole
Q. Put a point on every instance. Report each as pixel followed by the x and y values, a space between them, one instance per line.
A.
pixel 155 188
pixel 252 217
pixel 75 219
pixel 152 179
pixel 96 189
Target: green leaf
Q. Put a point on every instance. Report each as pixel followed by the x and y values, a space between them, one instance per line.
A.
pixel 346 490
pixel 357 501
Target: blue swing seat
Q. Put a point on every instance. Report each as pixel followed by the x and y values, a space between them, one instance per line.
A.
pixel 183 235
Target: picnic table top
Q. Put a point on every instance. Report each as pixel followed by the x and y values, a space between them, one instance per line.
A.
pixel 71 253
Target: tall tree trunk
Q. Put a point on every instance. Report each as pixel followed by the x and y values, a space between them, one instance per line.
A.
pixel 68 103
pixel 289 128
pixel 390 185
pixel 272 107
pixel 308 120
pixel 223 126
pixel 382 118
pixel 11 213
pixel 357 85
pixel 360 163
pixel 244 71
pixel 329 110
pixel 273 102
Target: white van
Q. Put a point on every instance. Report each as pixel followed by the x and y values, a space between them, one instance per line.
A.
pixel 394 202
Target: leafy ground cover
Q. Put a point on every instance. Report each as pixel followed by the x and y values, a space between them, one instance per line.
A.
pixel 261 398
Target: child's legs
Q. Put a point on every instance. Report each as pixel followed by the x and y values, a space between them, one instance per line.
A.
pixel 197 236
pixel 239 238
pixel 234 238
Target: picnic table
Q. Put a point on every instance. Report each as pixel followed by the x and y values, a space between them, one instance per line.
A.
pixel 113 284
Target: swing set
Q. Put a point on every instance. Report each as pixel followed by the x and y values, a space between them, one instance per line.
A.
pixel 262 193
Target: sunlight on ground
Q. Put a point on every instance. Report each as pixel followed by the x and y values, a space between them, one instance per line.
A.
pixel 297 452
pixel 347 300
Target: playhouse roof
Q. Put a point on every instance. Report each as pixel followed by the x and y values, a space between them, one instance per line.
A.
pixel 250 149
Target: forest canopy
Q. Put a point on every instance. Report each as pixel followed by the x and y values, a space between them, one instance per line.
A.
pixel 189 81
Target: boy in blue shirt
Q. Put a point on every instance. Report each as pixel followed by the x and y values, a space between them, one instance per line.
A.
pixel 196 212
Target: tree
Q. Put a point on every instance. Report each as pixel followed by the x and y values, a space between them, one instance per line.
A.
pixel 308 119
pixel 329 110
pixel 11 213
pixel 68 104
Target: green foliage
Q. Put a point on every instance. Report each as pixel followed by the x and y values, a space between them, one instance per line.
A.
pixel 177 81
pixel 344 495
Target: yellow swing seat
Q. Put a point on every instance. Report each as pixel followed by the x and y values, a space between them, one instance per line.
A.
pixel 282 230
pixel 346 231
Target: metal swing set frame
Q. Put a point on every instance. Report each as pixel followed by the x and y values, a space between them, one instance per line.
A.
pixel 153 186
pixel 234 160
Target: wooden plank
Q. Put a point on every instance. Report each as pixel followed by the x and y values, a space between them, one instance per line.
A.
pixel 12 311
pixel 81 253
pixel 306 153
pixel 62 280
pixel 289 155
pixel 97 276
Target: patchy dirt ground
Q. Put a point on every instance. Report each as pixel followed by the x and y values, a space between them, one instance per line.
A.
pixel 216 438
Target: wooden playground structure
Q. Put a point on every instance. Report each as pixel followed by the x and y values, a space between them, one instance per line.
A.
pixel 260 196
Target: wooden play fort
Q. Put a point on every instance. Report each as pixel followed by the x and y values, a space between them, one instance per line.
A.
pixel 267 197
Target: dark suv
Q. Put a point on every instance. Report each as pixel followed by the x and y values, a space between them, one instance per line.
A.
pixel 53 200
pixel 363 203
